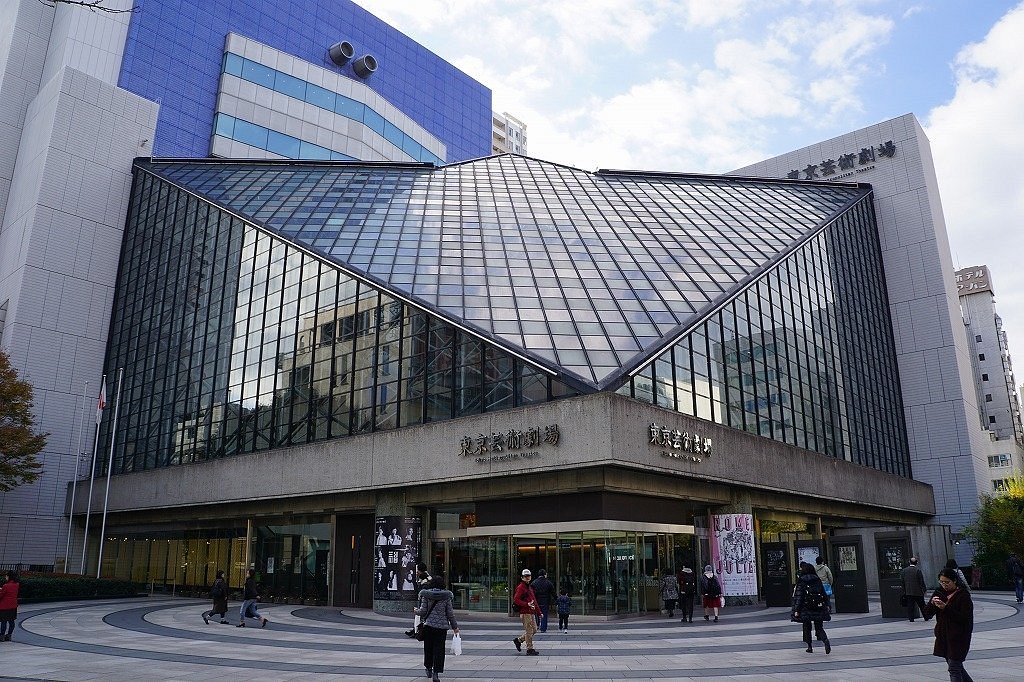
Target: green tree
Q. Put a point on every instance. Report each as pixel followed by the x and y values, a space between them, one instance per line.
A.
pixel 18 441
pixel 998 530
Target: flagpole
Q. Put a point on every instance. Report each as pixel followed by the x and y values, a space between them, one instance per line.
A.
pixel 78 466
pixel 110 466
pixel 92 472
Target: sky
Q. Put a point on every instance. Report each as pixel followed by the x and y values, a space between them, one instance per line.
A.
pixel 708 86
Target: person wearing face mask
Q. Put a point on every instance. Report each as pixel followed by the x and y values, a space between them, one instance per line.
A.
pixel 711 590
pixel 953 609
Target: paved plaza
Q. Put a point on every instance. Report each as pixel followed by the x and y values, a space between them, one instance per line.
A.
pixel 165 639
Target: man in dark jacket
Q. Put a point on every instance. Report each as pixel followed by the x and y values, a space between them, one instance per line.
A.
pixel 914 588
pixel 1015 569
pixel 544 589
pixel 249 598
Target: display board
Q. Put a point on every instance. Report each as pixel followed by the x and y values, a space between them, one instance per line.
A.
pixel 396 553
pixel 732 553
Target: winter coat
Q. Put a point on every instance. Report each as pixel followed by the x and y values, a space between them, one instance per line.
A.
pixel 249 591
pixel 953 624
pixel 808 614
pixel 913 581
pixel 523 597
pixel 710 587
pixel 668 588
pixel 1015 567
pixel 686 582
pixel 564 604
pixel 544 590
pixel 9 595
pixel 220 602
pixel 438 603
pixel 823 572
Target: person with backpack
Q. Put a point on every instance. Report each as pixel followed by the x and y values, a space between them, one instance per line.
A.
pixel 711 591
pixel 824 574
pixel 544 589
pixel 1015 568
pixel 810 607
pixel 524 602
pixel 668 588
pixel 219 595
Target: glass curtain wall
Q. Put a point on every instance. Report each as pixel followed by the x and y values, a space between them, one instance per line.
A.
pixel 294 561
pixel 236 341
pixel 175 562
pixel 804 354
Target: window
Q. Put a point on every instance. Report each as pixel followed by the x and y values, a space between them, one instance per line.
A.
pixel 984 377
pixel 999 485
pixel 327 334
pixel 981 356
pixel 992 419
pixel 977 337
pixel 988 397
pixel 995 461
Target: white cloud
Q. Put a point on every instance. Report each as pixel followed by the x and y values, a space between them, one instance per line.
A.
pixel 978 143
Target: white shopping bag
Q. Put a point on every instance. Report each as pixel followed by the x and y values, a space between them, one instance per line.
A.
pixel 457 645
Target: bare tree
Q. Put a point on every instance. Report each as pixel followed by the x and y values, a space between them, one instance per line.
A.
pixel 91 5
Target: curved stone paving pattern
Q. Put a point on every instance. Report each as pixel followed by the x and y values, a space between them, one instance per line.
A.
pixel 166 639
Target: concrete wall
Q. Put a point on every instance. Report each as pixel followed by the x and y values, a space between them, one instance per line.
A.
pixel 948 447
pixel 931 544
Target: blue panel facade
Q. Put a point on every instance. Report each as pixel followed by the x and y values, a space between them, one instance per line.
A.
pixel 174 51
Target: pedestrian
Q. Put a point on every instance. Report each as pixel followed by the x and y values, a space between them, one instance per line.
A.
pixel 423 580
pixel 711 593
pixel 811 607
pixel 525 602
pixel 435 608
pixel 954 623
pixel 219 595
pixel 668 588
pixel 961 580
pixel 687 586
pixel 824 574
pixel 9 605
pixel 249 598
pixel 913 589
pixel 544 589
pixel 564 607
pixel 1015 569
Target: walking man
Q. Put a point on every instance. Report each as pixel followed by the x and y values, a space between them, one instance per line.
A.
pixel 250 596
pixel 913 589
pixel 1015 567
pixel 525 601
pixel 544 589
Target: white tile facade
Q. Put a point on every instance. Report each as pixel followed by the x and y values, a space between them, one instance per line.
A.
pixel 948 447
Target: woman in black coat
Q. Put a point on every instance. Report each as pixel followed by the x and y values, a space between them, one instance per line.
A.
pixel 810 606
pixel 953 609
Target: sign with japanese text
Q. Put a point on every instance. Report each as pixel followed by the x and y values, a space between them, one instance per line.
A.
pixel 693 447
pixel 846 165
pixel 973 280
pixel 505 446
pixel 732 553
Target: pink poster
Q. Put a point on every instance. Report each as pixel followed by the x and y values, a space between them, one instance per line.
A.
pixel 732 553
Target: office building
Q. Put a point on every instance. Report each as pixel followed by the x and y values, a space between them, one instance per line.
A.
pixel 508 134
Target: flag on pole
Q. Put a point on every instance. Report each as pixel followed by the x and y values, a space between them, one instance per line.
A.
pixel 101 403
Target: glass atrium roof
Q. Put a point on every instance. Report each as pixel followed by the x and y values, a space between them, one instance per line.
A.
pixel 585 273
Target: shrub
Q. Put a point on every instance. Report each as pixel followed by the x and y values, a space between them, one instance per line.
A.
pixel 59 586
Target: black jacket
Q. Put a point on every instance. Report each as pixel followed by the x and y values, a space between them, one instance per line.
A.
pixel 250 589
pixel 801 606
pixel 954 624
pixel 544 589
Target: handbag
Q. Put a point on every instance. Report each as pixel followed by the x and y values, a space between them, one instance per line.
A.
pixel 828 589
pixel 419 628
pixel 721 603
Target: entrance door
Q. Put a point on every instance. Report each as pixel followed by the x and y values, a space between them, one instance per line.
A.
pixel 353 572
pixel 850 588
pixel 777 577
pixel 893 552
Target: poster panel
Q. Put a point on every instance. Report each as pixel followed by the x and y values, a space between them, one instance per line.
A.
pixel 396 553
pixel 807 555
pixel 732 553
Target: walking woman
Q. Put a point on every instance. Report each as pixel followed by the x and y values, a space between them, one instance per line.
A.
pixel 219 594
pixel 436 613
pixel 811 607
pixel 954 623
pixel 711 590
pixel 8 605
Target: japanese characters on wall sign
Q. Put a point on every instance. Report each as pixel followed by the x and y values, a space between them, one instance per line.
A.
pixel 846 165
pixel 680 444
pixel 503 446
pixel 973 280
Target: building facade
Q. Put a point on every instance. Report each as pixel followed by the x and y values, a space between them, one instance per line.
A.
pixel 997 398
pixel 84 93
pixel 336 369
pixel 933 354
pixel 508 134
